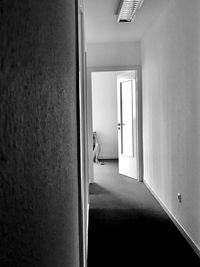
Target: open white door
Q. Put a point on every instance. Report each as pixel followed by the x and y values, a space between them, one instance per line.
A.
pixel 127 124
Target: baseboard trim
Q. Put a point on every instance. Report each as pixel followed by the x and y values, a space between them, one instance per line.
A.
pixel 185 234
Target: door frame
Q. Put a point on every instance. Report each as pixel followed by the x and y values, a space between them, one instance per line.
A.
pixel 138 110
pixel 83 183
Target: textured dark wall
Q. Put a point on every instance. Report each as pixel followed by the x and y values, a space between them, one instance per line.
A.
pixel 38 134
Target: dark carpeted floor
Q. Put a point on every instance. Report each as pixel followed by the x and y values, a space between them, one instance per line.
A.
pixel 128 227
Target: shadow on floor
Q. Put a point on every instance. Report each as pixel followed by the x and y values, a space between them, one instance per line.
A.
pixel 136 236
pixel 96 189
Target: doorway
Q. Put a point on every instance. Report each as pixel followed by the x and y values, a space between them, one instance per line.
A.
pixel 115 93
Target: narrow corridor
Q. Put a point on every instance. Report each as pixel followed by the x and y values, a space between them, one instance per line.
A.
pixel 128 226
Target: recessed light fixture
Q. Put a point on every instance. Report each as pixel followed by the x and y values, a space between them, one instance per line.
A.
pixel 128 9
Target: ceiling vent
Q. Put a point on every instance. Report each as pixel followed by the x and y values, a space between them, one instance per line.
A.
pixel 128 9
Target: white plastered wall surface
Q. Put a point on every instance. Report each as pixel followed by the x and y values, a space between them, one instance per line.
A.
pixel 113 54
pixel 171 111
pixel 104 108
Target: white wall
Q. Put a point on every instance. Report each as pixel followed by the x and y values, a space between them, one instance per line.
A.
pixel 113 54
pixel 171 111
pixel 104 108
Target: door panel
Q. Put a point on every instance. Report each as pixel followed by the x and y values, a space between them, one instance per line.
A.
pixel 127 124
pixel 127 118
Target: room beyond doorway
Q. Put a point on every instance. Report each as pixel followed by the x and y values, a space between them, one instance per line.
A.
pixel 104 112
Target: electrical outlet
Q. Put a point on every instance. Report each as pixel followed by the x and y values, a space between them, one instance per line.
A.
pixel 179 197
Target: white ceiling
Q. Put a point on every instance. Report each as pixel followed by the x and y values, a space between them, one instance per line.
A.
pixel 101 22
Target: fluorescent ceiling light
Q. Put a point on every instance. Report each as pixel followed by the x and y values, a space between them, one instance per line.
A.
pixel 128 9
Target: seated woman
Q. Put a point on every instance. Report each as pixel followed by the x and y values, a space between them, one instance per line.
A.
pixel 96 148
